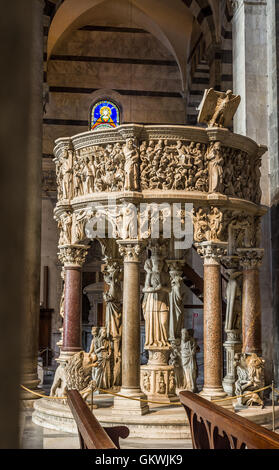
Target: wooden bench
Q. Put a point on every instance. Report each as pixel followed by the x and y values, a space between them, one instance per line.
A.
pixel 91 434
pixel 213 427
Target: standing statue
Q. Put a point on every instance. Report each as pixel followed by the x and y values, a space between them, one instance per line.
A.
pixel 66 172
pixel 233 294
pixel 112 298
pixel 218 108
pixel 176 304
pixel 175 361
pixel 215 167
pixel 156 303
pixel 65 225
pixel 131 165
pixel 189 348
pixel 100 351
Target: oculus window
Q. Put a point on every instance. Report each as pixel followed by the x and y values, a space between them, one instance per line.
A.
pixel 104 114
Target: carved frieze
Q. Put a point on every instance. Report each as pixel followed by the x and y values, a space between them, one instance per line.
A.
pixel 218 224
pixel 159 164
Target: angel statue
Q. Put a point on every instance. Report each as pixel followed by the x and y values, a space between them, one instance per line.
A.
pixel 217 108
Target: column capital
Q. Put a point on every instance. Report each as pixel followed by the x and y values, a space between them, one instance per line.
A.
pixel 73 255
pixel 231 262
pixel 250 258
pixel 175 265
pixel 130 250
pixel 212 252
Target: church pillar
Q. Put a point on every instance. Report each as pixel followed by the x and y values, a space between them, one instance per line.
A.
pixel 250 79
pixel 250 260
pixel 130 250
pixel 33 208
pixel 211 253
pixel 72 258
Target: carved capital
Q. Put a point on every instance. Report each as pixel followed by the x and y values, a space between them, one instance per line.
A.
pixel 211 252
pixel 231 263
pixel 73 255
pixel 175 266
pixel 250 258
pixel 130 250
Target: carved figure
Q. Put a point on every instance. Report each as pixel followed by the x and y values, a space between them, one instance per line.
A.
pixel 114 316
pixel 74 374
pixel 175 361
pixel 233 294
pixel 131 165
pixel 161 386
pixel 250 376
pixel 189 348
pixel 65 225
pixel 100 351
pixel 215 167
pixel 156 304
pixel 218 108
pixel 66 174
pixel 146 381
pixel 176 304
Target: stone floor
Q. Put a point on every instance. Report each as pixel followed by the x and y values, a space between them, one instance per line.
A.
pixel 37 437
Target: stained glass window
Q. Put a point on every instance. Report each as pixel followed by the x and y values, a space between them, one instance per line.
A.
pixel 104 114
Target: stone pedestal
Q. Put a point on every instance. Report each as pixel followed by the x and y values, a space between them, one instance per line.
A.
pixel 130 250
pixel 211 253
pixel 157 377
pixel 251 259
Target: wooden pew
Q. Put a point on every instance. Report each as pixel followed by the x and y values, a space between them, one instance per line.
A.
pixel 213 427
pixel 91 434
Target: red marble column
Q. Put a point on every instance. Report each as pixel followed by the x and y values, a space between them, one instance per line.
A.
pixel 250 259
pixel 212 311
pixel 72 315
pixel 73 257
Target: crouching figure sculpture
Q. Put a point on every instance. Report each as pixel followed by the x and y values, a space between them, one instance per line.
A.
pixel 74 374
pixel 250 377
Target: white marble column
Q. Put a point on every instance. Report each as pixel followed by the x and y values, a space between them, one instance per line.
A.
pixel 130 250
pixel 249 68
pixel 253 81
pixel 33 197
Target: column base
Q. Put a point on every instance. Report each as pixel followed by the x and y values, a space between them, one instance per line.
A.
pixel 219 394
pixel 123 406
pixel 65 355
pixel 30 381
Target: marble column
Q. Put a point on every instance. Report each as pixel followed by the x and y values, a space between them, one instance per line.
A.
pixel 32 252
pixel 72 257
pixel 232 344
pixel 130 250
pixel 212 312
pixel 16 23
pixel 250 259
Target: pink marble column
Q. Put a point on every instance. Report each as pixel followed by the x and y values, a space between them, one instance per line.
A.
pixel 213 365
pixel 73 257
pixel 250 260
